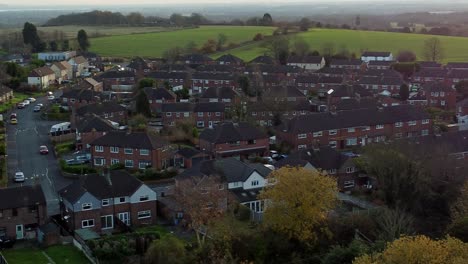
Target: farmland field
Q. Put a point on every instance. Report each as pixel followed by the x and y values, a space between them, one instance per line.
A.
pixel 154 44
pixel 455 48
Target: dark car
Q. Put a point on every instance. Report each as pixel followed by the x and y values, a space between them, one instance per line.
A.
pixel 5 242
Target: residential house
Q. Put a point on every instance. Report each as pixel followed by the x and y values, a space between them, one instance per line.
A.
pixel 346 91
pixel 317 84
pixel 188 157
pixel 284 71
pixel 41 77
pixel 196 59
pixel 6 94
pixel 139 66
pixel 455 76
pixel 80 97
pixel 268 113
pixel 204 80
pixel 108 203
pixel 309 63
pixel 56 56
pixel 457 66
pixel 368 56
pixel 417 99
pixel 217 68
pixel 334 72
pixel 22 210
pixel 440 95
pixel 91 128
pixel 347 129
pixel 336 164
pixel 284 93
pixel 429 75
pixel 263 59
pixel 462 114
pixel 159 96
pixel 107 110
pixel 117 80
pixel 353 64
pixel 202 115
pixel 380 65
pixel 225 95
pixel 63 71
pixel 134 150
pixel 80 65
pixel 380 73
pixel 173 78
pixel 91 84
pixel 229 139
pixel 229 59
pixel 429 65
pixel 353 103
pixel 381 84
pixel 21 59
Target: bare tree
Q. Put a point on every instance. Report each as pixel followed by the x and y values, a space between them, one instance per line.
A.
pixel 433 50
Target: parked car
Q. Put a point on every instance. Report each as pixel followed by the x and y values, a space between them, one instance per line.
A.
pixel 32 99
pixel 273 153
pixel 41 105
pixel 269 160
pixel 37 108
pixel 26 102
pixel 50 97
pixel 50 93
pixel 74 162
pixel 20 105
pixel 19 176
pixel 13 121
pixel 13 115
pixel 43 150
pixel 280 157
pixel 6 242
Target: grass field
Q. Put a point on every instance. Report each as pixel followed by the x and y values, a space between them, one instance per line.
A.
pixel 154 44
pixel 455 48
pixel 60 254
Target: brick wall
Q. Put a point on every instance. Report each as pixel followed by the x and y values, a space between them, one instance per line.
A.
pixel 24 216
pixel 261 147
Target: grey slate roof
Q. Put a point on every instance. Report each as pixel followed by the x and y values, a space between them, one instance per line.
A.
pixel 263 59
pixel 325 158
pixel 212 76
pixel 81 94
pixel 137 140
pixel 305 59
pixel 116 74
pixel 353 118
pixel 209 107
pixel 94 123
pixel 166 75
pixel 159 94
pixel 228 132
pixel 376 53
pixel 220 93
pixel 230 58
pixel 283 92
pixel 100 108
pixel 23 196
pixel 123 184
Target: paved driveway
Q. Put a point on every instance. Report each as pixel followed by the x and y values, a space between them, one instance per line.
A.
pixel 23 141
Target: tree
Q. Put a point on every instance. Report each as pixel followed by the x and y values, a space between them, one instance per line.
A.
pixel 166 250
pixel 53 45
pixel 328 49
pixel 267 20
pixel 135 18
pixel 433 50
pixel 209 46
pixel 406 56
pixel 419 249
pixel 341 255
pixel 393 224
pixel 298 201
pixel 258 37
pixel 83 41
pixel 142 104
pixel 304 24
pixel 404 92
pixel 172 54
pixel 65 45
pixel 31 37
pixel 222 39
pixel 277 46
pixel 138 122
pixel 459 209
pixel 244 84
pixel 146 82
pixel 177 19
pixel 358 21
pixel 301 47
pixel 190 47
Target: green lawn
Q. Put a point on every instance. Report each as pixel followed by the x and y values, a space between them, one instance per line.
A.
pixel 62 254
pixel 24 256
pixel 455 48
pixel 154 44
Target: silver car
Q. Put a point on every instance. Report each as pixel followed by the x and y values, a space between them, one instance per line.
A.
pixel 19 176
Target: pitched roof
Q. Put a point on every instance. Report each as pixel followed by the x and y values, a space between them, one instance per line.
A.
pixel 63 65
pixel 431 72
pixel 22 196
pixel 272 68
pixel 324 158
pixel 138 140
pixel 457 65
pixel 429 64
pixel 176 107
pixel 91 81
pixel 209 107
pixel 453 142
pixel 212 76
pixel 196 58
pixel 353 118
pixel 81 94
pixel 230 58
pixel 94 123
pixel 341 62
pixel 220 92
pixel 438 87
pixel 283 92
pixel 263 59
pixel 228 132
pixel 352 104
pixel 380 63
pixel 118 184
pixel 79 60
pixel 188 152
pixel 174 68
pixel 4 89
pixel 380 73
pixel 458 74
pixel 166 75
pixel 216 68
pixel 41 72
pixel 116 74
pixel 376 53
pixel 100 108
pixel 305 59
pixel 159 94
pixel 138 63
pixel 192 107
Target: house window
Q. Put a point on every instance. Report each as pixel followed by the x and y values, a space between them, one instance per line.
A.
pixel 348 184
pixel 442 94
pixel 251 142
pixel 255 183
pixel 351 141
pixel 351 130
pixel 87 223
pixel 412 123
pixel 168 114
pixel 442 103
pixel 332 144
pixel 177 114
pixel 332 171
pixel 301 146
pixel 128 151
pixel 379 126
pixel 114 149
pixel 425 121
pixel 99 161
pixel 349 169
pixel 254 113
pixel 107 222
pixel 317 134
pixel 398 135
pixel 200 124
pixel 144 214
pixel 302 136
pixel 128 163
pixel 234 143
pixel 86 206
pixel 144 164
pixel 115 161
pixel 200 114
pixel 121 200
pixel 424 132
pixel 144 152
pixel 186 114
pixel 105 202
pixel 366 128
pixel 209 113
pixel 218 114
pixel 332 132
pixel 14 212
pixel 99 148
pixel 144 198
pixel 398 124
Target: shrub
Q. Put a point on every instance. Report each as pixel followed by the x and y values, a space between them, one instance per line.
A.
pixel 258 37
pixel 2 149
pixel 118 166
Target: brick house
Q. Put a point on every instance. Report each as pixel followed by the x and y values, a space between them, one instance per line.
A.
pixel 103 203
pixel 139 66
pixel 309 63
pixel 106 110
pixel 317 84
pixel 354 64
pixel 263 59
pixel 91 128
pixel 380 84
pixel 188 157
pixel 440 95
pixel 117 80
pixel 346 129
pixel 80 97
pixel 265 113
pixel 380 65
pixel 6 94
pixel 91 84
pixel 455 76
pixel 457 66
pixel 135 150
pixel 367 56
pixel 196 59
pixel 159 96
pixel 229 59
pixel 228 140
pixel 202 115
pixel 429 75
pixel 336 164
pixel 22 210
pixel 282 93
pixel 204 80
pixel 174 78
pixel 225 95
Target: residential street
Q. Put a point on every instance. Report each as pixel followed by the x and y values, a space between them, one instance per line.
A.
pixel 23 141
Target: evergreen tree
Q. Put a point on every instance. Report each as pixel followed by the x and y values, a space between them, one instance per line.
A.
pixel 83 40
pixel 142 104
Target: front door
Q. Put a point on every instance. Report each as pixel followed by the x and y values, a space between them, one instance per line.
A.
pixel 19 232
pixel 125 218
